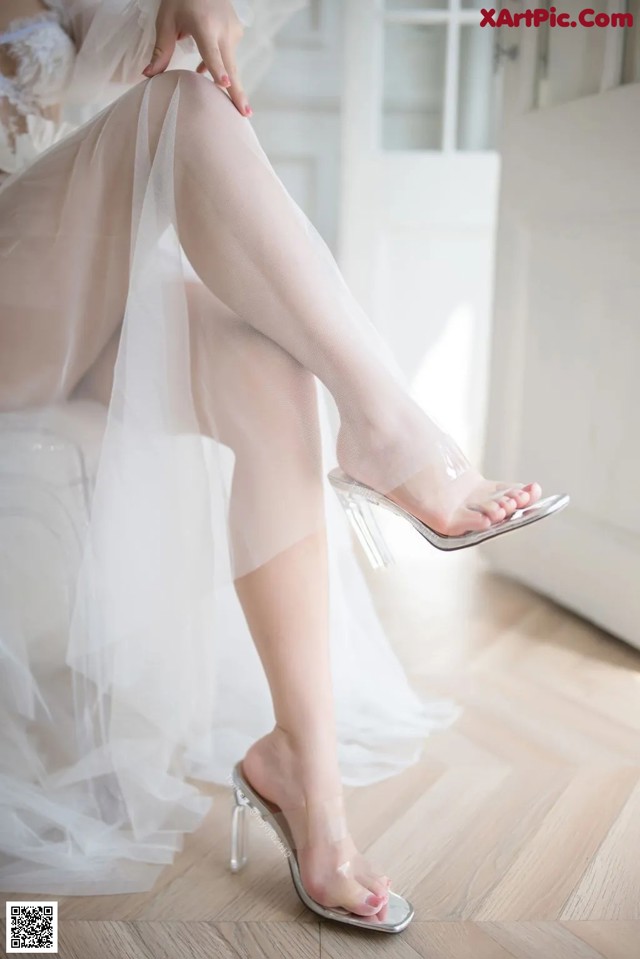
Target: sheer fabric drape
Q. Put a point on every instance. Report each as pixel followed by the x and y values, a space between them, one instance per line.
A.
pixel 156 440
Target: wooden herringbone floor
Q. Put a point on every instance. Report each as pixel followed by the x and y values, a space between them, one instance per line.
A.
pixel 516 837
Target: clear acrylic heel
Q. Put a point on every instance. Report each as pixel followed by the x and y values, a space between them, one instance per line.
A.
pixel 239 831
pixel 366 528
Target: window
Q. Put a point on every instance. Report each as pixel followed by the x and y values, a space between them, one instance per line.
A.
pixel 439 88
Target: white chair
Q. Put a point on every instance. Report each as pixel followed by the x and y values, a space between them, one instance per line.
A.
pixel 48 463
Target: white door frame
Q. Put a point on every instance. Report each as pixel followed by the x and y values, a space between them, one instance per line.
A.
pixel 568 171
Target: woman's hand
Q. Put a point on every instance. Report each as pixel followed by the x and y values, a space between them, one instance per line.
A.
pixel 216 29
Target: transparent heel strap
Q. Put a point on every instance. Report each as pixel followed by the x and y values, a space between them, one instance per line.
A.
pixel 425 453
pixel 321 824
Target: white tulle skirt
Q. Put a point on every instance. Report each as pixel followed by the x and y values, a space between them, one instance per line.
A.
pixel 152 327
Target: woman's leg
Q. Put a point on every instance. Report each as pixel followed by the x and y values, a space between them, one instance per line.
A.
pixel 261 402
pixel 285 602
pixel 242 234
pixel 251 247
pixel 248 242
pixel 255 398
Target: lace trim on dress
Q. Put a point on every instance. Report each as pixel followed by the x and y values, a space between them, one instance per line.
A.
pixel 41 55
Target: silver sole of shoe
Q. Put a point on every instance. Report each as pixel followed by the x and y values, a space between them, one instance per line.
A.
pixel 355 497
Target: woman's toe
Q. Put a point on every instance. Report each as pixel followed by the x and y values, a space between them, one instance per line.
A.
pixel 527 495
pixel 474 520
pixel 346 893
pixel 378 886
pixel 493 510
pixel 519 494
pixel 535 492
pixel 379 889
pixel 366 903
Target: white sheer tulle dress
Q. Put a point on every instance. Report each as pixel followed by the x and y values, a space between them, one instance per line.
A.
pixel 166 343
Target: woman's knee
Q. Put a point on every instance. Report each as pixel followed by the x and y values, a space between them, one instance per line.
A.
pixel 198 97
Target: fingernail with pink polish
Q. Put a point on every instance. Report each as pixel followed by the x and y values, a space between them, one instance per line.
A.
pixel 225 80
pixel 248 111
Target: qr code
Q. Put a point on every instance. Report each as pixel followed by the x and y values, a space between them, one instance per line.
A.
pixel 32 927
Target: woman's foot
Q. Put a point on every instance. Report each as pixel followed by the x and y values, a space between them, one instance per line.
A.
pixel 444 490
pixel 307 788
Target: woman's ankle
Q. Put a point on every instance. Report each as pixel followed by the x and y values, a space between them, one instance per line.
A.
pixel 384 453
pixel 300 765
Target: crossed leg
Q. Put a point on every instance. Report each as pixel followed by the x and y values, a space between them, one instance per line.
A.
pixel 254 397
pixel 252 247
pixel 279 299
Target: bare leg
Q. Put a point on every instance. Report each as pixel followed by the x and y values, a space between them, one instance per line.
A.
pixel 241 233
pixel 295 765
pixel 241 377
pixel 245 238
pixel 285 600
pixel 252 248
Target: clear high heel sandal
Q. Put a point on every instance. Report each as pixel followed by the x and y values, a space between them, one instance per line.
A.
pixel 357 499
pixel 398 912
